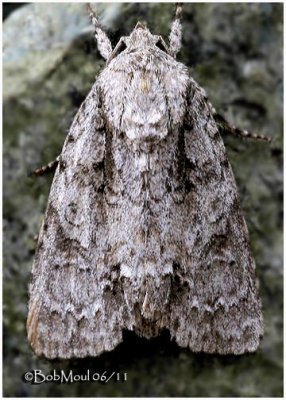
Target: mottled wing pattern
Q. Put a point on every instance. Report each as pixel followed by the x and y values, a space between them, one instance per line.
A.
pixel 69 315
pixel 218 309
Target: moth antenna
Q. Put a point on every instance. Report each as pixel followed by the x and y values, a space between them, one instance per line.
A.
pixel 103 43
pixel 175 38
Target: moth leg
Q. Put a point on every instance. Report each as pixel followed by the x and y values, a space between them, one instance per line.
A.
pixel 51 167
pixel 232 129
pixel 118 49
pixel 103 43
pixel 175 38
pixel 162 44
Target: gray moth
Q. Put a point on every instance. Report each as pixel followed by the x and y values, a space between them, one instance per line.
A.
pixel 143 230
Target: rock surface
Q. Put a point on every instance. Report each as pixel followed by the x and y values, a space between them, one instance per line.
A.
pixel 50 62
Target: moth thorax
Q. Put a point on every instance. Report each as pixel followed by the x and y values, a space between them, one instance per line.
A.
pixel 145 128
pixel 144 83
pixel 141 37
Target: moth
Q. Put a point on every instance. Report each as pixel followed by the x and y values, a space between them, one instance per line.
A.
pixel 143 230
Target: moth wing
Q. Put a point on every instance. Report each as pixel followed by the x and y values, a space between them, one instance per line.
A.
pixel 71 312
pixel 219 309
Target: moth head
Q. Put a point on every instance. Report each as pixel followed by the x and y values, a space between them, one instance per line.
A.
pixel 142 38
pixel 139 38
pixel 140 25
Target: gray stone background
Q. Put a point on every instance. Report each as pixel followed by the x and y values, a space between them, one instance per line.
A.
pixel 50 62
